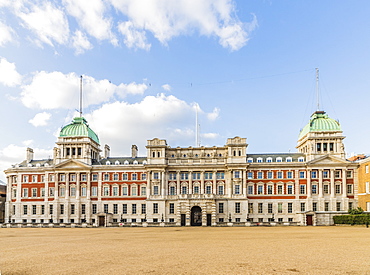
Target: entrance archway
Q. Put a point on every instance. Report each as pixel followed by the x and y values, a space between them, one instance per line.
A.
pixel 196 216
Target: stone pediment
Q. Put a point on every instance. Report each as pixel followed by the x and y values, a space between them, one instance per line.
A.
pixel 327 159
pixel 72 164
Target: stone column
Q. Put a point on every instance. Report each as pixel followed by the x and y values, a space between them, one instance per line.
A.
pixel 320 183
pixel 178 187
pixel 309 187
pixel 88 199
pixel 190 191
pixel 202 182
pixel 214 183
pixel 344 183
pixel 66 207
pixel 78 195
pixel 332 184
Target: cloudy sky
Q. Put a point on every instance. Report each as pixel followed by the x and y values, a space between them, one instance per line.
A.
pixel 147 65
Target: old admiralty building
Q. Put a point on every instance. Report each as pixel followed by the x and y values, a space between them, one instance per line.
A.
pixel 82 185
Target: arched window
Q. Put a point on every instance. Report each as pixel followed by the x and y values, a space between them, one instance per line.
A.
pixel 117 162
pixel 108 162
pixel 159 154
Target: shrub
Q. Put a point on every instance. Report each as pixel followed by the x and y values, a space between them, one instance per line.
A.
pixel 352 219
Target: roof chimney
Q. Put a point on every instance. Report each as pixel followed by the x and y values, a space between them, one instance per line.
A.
pixel 29 155
pixel 134 150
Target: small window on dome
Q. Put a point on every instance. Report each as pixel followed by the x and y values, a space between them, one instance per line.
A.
pixel 117 162
pixel 269 160
pixel 126 162
pixel 135 162
pixel 107 163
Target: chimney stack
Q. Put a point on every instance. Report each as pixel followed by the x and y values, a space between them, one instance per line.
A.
pixel 134 150
pixel 29 154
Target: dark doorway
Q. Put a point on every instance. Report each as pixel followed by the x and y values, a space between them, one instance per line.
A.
pixel 209 219
pixel 309 220
pixel 183 219
pixel 101 221
pixel 196 216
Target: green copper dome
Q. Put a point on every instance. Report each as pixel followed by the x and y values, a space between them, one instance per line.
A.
pixel 79 128
pixel 320 122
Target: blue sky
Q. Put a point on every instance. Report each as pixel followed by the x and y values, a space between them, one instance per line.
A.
pixel 248 65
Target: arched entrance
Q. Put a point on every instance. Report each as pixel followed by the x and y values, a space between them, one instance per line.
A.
pixel 196 216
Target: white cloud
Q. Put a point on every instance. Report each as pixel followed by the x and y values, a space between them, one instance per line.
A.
pixel 166 87
pixel 48 22
pixel 214 115
pixel 90 17
pixel 210 135
pixel 121 124
pixel 6 34
pixel 80 42
pixel 133 37
pixel 27 142
pixel 8 74
pixel 40 119
pixel 57 90
pixel 166 19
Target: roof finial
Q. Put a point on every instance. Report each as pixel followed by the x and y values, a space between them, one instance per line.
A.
pixel 81 96
pixel 317 89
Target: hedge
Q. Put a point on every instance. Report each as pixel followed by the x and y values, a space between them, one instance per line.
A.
pixel 352 219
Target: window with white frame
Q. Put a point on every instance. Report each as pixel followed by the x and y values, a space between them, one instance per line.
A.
pixel 337 189
pixel 237 174
pixel 279 175
pixel 269 189
pixel 250 189
pixel 196 189
pixel 313 174
pixel 51 191
pixel 237 189
pixel 184 190
pixel 349 174
pixel 367 169
pixel 301 159
pixel 260 189
pixel 125 190
pixel 314 189
pixel 250 175
pixel 326 189
pixel 220 175
pixel 106 191
pixel 155 190
pixel 115 176
pixel 143 176
pixel 260 208
pixel 143 190
pixel 62 191
pixel 302 174
pixel 220 189
pixel 95 177
pixel 288 159
pixel 325 174
pixel 279 159
pixel 289 174
pixel 280 189
pixel 83 177
pixel 62 177
pixel 172 176
pixel 270 174
pixel 83 191
pixel 115 191
pixel 208 189
pixel 34 192
pixel 350 190
pixel 94 191
pixel 73 191
pixel 208 175
pixel 184 176
pixel 34 178
pixel 134 191
pixel 172 190
pixel 106 177
pixel 124 176
pixel 237 207
pixel 269 208
pixel 196 176
pixel 259 175
pixel 290 189
pixel 337 174
pixel 280 208
pixel 269 159
pixel 250 160
pixel 134 176
pixel 302 189
pixel 259 159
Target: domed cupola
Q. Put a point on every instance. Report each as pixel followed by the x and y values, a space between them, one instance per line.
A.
pixel 77 141
pixel 79 128
pixel 322 135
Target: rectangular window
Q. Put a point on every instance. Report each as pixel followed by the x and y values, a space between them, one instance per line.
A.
pixel 172 208
pixel 367 169
pixel 208 176
pixel 314 189
pixel 302 189
pixel 184 176
pixel 349 174
pixel 94 209
pixel 208 189
pixel 220 175
pixel 34 192
pixel 259 175
pixel 250 189
pixel 270 175
pixel 83 177
pixel 280 189
pixel 106 208
pixel 337 189
pixel 155 190
pixel 325 174
pixel 143 176
pixel 196 189
pixel 133 191
pixel 221 207
pixel 280 175
pixel 124 208
pixel 51 178
pixel 290 189
pixel 143 190
pixel 143 208
pixel 337 174
pixel 290 207
pixel 25 209
pixel 250 208
pixel 172 190
pixel 269 189
pixel 134 177
pixel 338 206
pixel 314 206
pixel 115 208
pixel 302 175
pixel 237 174
pixel 83 191
pixel 269 208
pixel 72 209
pixel 155 208
pixel 62 209
pixel 250 175
pixel 184 190
pixel 350 206
pixel 51 209
pixel 73 191
pixel 124 191
pixel 34 178
pixel 34 210
pixel 156 176
pixel 25 192
pixel 260 208
pixel 237 189
pixel 115 176
pixel 313 174
pixel 73 177
pixel 259 189
pixel 220 189
pixel 95 177
pixel 349 189
pixel 94 191
pixel 62 177
pixel 124 177
pixel 280 207
pixel 289 175
pixel 62 191
pixel 303 206
pixel 133 206
pixel 172 176
pixel 106 191
pixel 326 205
pixel 237 207
pixel 14 193
pixel 326 189
pixel 83 209
pixel 106 177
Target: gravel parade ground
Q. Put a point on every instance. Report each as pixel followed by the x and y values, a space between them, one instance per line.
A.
pixel 186 250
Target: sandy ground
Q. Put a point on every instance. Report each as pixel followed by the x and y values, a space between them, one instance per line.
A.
pixel 192 250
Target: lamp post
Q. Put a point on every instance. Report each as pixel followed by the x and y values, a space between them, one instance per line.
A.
pixel 162 220
pixel 229 217
pixel 122 217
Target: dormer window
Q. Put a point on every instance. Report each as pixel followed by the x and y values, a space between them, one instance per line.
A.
pixel 279 159
pixel 301 159
pixel 289 159
pixel 126 162
pixel 135 162
pixel 250 160
pixel 107 163
pixel 269 160
pixel 259 159
pixel 117 162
